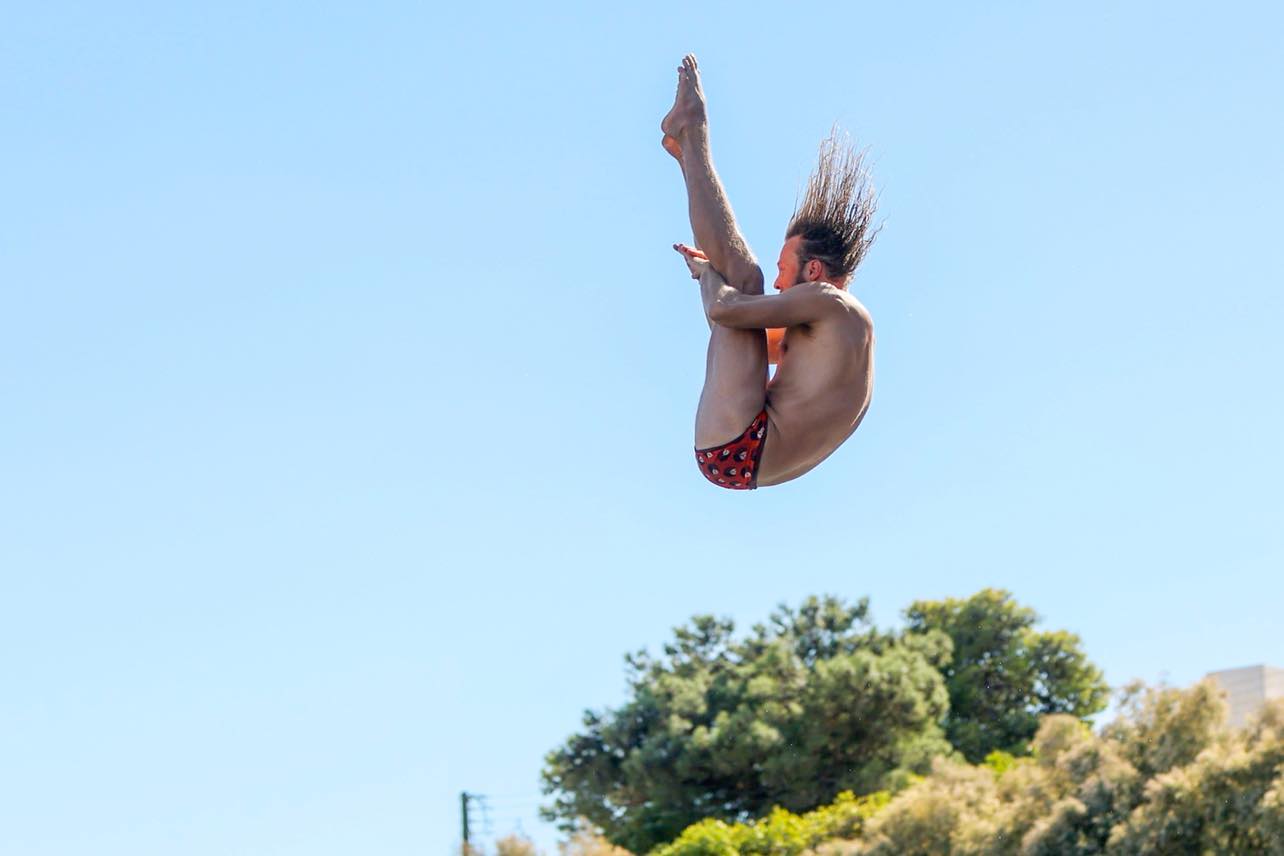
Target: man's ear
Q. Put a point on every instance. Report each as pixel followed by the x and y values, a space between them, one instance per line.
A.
pixel 815 271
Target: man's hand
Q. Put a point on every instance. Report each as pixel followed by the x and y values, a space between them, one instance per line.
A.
pixel 697 261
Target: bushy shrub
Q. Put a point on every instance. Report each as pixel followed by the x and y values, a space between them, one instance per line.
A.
pixel 781 833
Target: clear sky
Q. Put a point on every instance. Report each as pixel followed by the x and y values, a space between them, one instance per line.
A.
pixel 348 378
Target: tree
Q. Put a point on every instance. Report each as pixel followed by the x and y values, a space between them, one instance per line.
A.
pixel 936 815
pixel 1003 674
pixel 515 845
pixel 1161 728
pixel 585 841
pixel 1165 778
pixel 1212 791
pixel 814 702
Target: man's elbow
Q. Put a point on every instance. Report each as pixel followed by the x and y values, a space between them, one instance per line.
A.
pixel 723 311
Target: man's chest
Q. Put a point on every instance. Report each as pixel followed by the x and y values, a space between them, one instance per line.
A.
pixel 801 339
pixel 816 354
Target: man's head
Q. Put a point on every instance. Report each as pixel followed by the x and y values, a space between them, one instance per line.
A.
pixel 793 267
pixel 832 226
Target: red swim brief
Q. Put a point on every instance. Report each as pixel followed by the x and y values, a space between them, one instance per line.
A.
pixel 734 465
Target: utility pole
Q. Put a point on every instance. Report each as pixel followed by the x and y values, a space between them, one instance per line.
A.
pixel 464 797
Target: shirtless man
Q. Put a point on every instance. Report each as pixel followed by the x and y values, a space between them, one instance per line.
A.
pixel 819 337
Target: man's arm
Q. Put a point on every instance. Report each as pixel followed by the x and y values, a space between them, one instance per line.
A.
pixel 802 304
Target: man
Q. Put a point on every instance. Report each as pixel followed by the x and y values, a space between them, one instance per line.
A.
pixel 750 431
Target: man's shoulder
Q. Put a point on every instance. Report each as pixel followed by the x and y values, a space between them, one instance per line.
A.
pixel 849 307
pixel 821 290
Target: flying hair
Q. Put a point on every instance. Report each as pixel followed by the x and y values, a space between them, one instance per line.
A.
pixel 835 216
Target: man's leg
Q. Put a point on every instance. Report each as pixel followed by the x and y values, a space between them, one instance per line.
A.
pixel 736 366
pixel 686 130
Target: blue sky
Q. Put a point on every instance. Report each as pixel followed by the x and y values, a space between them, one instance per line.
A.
pixel 349 379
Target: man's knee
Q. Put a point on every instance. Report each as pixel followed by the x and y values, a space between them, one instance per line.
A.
pixel 747 278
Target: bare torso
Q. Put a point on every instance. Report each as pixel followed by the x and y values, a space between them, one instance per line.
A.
pixel 820 391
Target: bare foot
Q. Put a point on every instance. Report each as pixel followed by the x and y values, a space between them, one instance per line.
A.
pixel 697 261
pixel 688 109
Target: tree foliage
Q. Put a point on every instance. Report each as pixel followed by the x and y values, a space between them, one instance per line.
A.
pixel 586 841
pixel 515 845
pixel 780 833
pixel 1211 792
pixel 1004 675
pixel 1164 778
pixel 814 702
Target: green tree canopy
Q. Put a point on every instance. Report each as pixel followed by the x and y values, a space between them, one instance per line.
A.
pixel 814 702
pixel 1004 674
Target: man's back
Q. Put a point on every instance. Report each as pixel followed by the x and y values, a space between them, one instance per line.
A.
pixel 821 388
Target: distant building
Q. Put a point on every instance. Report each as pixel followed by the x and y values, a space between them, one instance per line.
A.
pixel 1247 689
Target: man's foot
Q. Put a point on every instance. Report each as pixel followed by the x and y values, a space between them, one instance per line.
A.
pixel 688 107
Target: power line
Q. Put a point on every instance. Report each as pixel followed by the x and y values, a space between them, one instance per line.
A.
pixel 465 800
pixel 509 800
pixel 479 818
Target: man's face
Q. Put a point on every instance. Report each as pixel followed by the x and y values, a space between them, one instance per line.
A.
pixel 788 268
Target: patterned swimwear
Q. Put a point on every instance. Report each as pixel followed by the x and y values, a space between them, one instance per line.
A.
pixel 734 465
